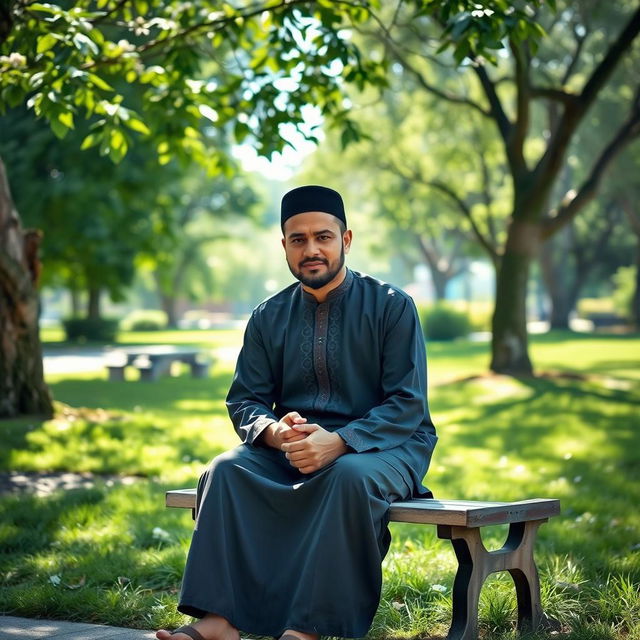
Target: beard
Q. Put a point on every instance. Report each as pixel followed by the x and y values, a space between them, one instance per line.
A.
pixel 320 280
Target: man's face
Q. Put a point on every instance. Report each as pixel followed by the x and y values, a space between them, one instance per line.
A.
pixel 315 247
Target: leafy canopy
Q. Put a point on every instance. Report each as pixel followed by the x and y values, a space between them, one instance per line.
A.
pixel 248 67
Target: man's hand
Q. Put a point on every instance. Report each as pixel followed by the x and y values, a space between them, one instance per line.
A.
pixel 277 433
pixel 316 450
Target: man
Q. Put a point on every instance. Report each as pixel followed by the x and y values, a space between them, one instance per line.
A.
pixel 329 399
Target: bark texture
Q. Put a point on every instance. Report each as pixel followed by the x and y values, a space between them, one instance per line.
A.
pixel 510 345
pixel 22 387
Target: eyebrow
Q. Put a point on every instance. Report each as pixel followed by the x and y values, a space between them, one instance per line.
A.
pixel 315 233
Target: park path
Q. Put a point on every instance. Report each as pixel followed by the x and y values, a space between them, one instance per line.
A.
pixel 12 628
pixel 85 359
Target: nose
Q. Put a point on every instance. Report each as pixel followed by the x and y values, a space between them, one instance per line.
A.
pixel 312 248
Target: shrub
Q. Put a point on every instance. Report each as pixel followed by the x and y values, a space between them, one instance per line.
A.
pixel 606 312
pixel 588 306
pixel 624 281
pixel 84 329
pixel 145 320
pixel 442 322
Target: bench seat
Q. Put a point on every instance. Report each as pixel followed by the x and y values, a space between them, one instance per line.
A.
pixel 460 521
pixel 463 513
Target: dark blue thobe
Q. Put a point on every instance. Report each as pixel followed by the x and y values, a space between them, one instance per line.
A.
pixel 276 549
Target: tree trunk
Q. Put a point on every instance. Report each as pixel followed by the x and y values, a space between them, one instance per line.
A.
pixel 556 273
pixel 440 281
pixel 22 387
pixel 509 345
pixel 440 275
pixel 76 307
pixel 93 304
pixel 169 306
pixel 168 301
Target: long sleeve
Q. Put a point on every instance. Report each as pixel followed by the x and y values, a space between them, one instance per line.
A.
pixel 403 409
pixel 251 396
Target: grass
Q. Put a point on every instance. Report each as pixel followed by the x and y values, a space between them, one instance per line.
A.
pixel 113 554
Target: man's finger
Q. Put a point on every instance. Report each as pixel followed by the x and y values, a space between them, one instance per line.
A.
pixel 293 436
pixel 290 447
pixel 293 417
pixel 306 428
pixel 308 469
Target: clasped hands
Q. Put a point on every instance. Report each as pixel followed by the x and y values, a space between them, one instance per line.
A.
pixel 308 447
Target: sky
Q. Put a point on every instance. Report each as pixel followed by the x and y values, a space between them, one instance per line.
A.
pixel 283 166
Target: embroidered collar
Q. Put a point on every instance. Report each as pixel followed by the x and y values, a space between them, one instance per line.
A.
pixel 334 294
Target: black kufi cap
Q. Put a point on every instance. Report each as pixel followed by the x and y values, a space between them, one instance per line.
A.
pixel 312 198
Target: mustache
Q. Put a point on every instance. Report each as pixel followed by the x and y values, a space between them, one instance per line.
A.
pixel 308 260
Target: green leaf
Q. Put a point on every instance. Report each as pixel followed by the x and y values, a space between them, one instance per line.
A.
pixel 138 125
pixel 45 8
pixel 46 42
pixel 99 82
pixel 59 129
pixel 90 141
pixel 117 139
pixel 117 153
pixel 66 118
pixel 85 44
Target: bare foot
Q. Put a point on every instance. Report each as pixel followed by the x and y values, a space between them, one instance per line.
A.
pixel 211 627
pixel 301 635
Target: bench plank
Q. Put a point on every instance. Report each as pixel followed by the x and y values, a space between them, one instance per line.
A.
pixel 462 513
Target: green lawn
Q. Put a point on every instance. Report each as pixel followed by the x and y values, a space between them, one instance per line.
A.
pixel 113 554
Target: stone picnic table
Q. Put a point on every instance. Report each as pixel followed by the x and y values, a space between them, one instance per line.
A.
pixel 153 361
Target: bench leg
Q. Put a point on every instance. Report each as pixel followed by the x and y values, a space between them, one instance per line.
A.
pixel 157 369
pixel 476 563
pixel 199 370
pixel 523 570
pixel 116 374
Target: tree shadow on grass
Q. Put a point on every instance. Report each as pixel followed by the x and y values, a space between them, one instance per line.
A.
pixel 65 553
pixel 165 395
pixel 123 427
pixel 549 437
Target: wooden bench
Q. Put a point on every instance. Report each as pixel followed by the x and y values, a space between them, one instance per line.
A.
pixel 155 361
pixel 460 521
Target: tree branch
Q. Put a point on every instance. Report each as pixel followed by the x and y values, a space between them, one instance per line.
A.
pixel 573 202
pixel 521 127
pixel 497 111
pixel 487 197
pixel 550 93
pixel 580 40
pixel 384 35
pixel 115 9
pixel 608 64
pixel 463 207
pixel 574 112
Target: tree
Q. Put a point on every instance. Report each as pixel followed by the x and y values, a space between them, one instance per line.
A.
pixel 573 254
pixel 535 142
pixel 99 216
pixel 264 63
pixel 202 214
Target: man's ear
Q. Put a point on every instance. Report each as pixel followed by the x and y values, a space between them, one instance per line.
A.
pixel 284 243
pixel 347 236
